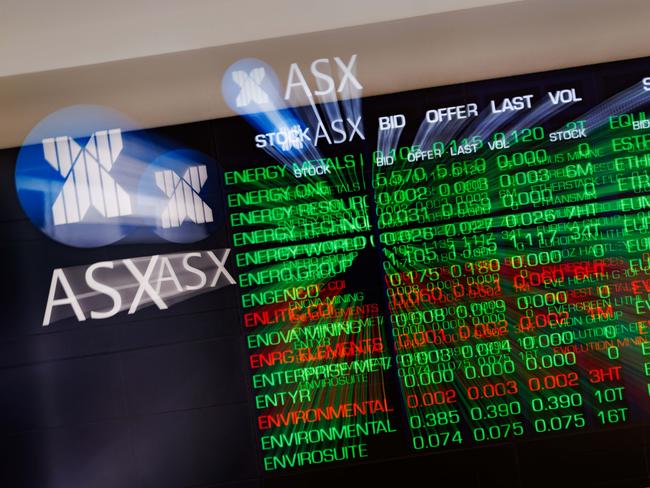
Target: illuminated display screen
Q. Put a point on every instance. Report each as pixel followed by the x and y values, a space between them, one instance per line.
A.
pixel 451 282
pixel 472 271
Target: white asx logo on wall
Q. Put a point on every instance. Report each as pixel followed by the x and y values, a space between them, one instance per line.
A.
pixel 184 200
pixel 93 191
pixel 87 179
pixel 250 84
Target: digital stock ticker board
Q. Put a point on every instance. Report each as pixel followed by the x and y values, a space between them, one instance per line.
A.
pixel 451 282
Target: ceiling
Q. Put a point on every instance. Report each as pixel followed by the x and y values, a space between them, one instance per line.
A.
pixel 38 35
pixel 161 62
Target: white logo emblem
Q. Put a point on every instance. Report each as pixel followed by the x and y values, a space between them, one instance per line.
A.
pixel 184 201
pixel 250 87
pixel 87 182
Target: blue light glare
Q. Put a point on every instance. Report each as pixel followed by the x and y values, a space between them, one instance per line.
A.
pixel 85 178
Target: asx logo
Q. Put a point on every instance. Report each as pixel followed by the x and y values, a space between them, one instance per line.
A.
pixel 251 85
pixel 252 89
pixel 184 200
pixel 87 180
pixel 91 191
pixel 321 71
pixel 102 290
